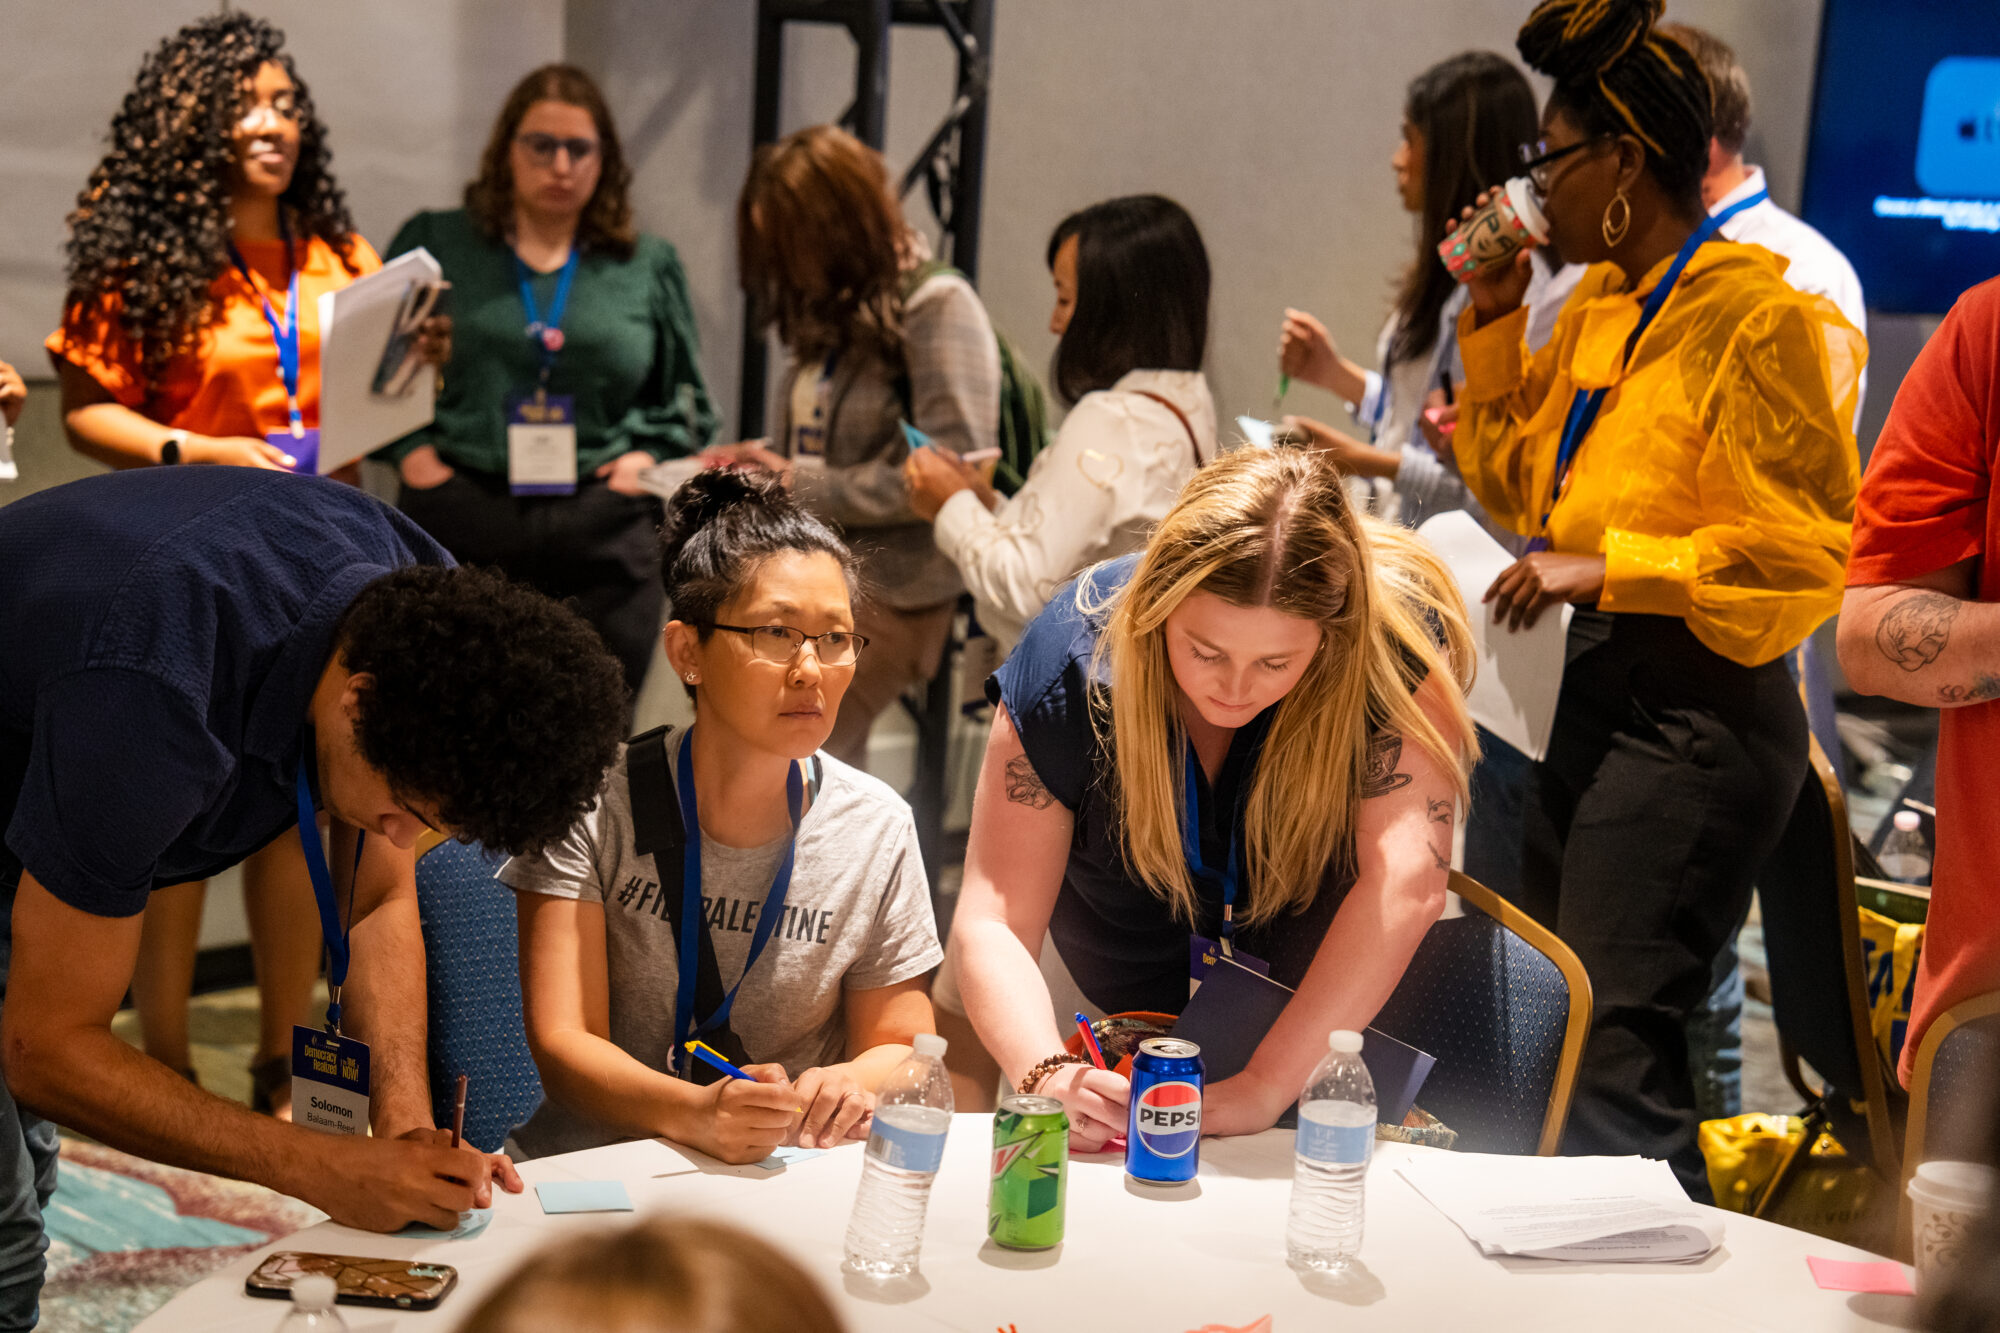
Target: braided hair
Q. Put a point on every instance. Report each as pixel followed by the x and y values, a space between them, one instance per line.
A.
pixel 152 226
pixel 1616 73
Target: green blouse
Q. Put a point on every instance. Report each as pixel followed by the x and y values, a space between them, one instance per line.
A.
pixel 628 356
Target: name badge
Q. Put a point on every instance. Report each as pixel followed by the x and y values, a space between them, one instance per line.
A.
pixel 541 444
pixel 303 447
pixel 329 1082
pixel 1202 953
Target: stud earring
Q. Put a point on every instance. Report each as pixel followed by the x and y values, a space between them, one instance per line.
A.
pixel 689 678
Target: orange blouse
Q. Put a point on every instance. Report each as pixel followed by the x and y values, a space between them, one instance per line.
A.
pixel 228 384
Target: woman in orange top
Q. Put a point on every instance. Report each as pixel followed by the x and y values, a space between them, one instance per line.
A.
pixel 1701 524
pixel 184 249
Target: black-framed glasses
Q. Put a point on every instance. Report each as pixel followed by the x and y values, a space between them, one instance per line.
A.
pixel 542 148
pixel 1536 159
pixel 782 643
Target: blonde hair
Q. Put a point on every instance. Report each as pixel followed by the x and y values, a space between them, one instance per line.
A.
pixel 1272 527
pixel 679 1275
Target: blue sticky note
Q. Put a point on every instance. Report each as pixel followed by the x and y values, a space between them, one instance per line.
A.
pixel 783 1157
pixel 583 1196
pixel 470 1224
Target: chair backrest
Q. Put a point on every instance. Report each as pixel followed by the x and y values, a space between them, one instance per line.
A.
pixel 1952 1087
pixel 1504 1006
pixel 476 1027
pixel 1812 943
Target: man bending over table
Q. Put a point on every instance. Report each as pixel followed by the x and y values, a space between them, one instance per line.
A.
pixel 188 657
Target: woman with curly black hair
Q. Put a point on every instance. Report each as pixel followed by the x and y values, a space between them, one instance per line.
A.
pixel 199 250
pixel 1682 454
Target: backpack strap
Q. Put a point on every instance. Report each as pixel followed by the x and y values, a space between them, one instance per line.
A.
pixel 1179 416
pixel 657 831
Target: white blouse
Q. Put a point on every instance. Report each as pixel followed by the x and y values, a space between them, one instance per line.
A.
pixel 1112 472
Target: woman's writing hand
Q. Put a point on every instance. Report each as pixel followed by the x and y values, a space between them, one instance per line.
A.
pixel 1096 1100
pixel 1306 351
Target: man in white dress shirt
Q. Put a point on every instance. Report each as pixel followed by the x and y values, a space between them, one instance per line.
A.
pixel 1813 264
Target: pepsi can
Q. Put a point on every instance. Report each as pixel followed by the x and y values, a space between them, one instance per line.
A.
pixel 1163 1127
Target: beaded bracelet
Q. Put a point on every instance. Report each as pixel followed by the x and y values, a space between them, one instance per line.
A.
pixel 1033 1078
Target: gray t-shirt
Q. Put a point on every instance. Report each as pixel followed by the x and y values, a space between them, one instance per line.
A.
pixel 857 917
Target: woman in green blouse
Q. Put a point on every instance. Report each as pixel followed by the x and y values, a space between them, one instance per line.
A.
pixel 573 368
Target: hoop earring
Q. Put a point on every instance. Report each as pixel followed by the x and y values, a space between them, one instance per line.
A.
pixel 1615 232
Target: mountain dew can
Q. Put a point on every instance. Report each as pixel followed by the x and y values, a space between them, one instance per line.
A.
pixel 1024 1210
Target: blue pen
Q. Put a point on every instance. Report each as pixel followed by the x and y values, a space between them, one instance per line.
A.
pixel 703 1052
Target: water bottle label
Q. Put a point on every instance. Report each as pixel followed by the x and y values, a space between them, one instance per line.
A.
pixel 905 1149
pixel 1336 1145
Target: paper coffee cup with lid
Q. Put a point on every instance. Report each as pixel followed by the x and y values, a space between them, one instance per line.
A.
pixel 1511 221
pixel 1946 1199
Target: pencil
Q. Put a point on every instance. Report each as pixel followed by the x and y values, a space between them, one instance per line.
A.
pixel 1090 1045
pixel 458 1111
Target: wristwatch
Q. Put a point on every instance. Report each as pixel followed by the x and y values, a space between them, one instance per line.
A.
pixel 170 448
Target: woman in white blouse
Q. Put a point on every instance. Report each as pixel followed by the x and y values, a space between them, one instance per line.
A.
pixel 1131 278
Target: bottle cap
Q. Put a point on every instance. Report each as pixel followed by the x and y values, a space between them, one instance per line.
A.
pixel 1909 821
pixel 1344 1041
pixel 928 1043
pixel 315 1291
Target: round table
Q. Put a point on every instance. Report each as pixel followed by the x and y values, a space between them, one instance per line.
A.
pixel 1135 1258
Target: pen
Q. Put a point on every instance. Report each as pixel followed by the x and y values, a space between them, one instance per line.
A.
pixel 1090 1045
pixel 708 1055
pixel 976 456
pixel 458 1111
pixel 1278 403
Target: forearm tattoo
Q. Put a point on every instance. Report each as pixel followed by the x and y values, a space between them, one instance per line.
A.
pixel 1439 812
pixel 1916 629
pixel 1024 787
pixel 1385 751
pixel 1443 861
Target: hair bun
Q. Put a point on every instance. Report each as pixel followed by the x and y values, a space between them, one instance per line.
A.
pixel 710 495
pixel 1578 40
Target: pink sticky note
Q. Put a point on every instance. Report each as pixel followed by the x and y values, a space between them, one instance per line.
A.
pixel 1885 1277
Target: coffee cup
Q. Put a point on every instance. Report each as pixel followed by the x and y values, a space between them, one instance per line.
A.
pixel 1946 1199
pixel 1510 221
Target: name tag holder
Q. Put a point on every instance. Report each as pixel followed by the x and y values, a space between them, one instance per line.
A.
pixel 330 1078
pixel 541 444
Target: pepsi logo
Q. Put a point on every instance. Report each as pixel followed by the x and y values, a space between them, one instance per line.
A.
pixel 1167 1119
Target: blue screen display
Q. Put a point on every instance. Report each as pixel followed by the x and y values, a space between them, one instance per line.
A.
pixel 1903 165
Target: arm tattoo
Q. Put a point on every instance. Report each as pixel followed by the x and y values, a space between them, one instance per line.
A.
pixel 1024 787
pixel 1443 861
pixel 1916 629
pixel 1439 811
pixel 1381 777
pixel 1984 686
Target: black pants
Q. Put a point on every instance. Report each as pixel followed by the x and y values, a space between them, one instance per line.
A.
pixel 597 549
pixel 1669 778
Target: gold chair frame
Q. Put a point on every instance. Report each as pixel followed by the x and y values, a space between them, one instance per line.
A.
pixel 1576 1030
pixel 1965 1011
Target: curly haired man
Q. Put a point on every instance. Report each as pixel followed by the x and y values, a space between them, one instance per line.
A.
pixel 194 660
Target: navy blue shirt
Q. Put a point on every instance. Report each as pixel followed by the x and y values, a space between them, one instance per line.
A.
pixel 1119 939
pixel 161 634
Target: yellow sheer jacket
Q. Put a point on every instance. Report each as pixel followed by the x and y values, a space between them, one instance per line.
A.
pixel 1719 480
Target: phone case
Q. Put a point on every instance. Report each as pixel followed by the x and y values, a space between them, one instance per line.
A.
pixel 397 1283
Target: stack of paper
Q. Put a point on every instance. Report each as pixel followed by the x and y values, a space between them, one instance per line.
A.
pixel 1588 1209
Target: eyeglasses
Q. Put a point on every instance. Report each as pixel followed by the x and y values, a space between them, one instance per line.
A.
pixel 1536 159
pixel 542 148
pixel 282 108
pixel 782 643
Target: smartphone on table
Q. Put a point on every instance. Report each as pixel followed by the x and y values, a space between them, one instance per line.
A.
pixel 400 1284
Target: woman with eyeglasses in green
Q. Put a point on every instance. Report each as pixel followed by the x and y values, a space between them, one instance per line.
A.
pixel 574 367
pixel 733 884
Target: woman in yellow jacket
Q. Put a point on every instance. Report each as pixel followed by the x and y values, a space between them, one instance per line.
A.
pixel 1682 450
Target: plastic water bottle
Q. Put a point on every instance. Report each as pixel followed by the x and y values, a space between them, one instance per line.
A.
pixel 912 1113
pixel 312 1307
pixel 1905 854
pixel 1330 1163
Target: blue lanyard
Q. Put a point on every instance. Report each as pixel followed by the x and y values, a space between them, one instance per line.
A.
pixel 692 920
pixel 284 332
pixel 1191 841
pixel 1583 407
pixel 337 952
pixel 546 333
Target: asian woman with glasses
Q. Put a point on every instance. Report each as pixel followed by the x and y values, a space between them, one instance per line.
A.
pixel 795 878
pixel 574 367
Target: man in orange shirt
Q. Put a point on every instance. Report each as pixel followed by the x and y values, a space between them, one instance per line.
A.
pixel 1921 623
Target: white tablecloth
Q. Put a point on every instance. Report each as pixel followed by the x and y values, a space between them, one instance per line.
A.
pixel 1135 1258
